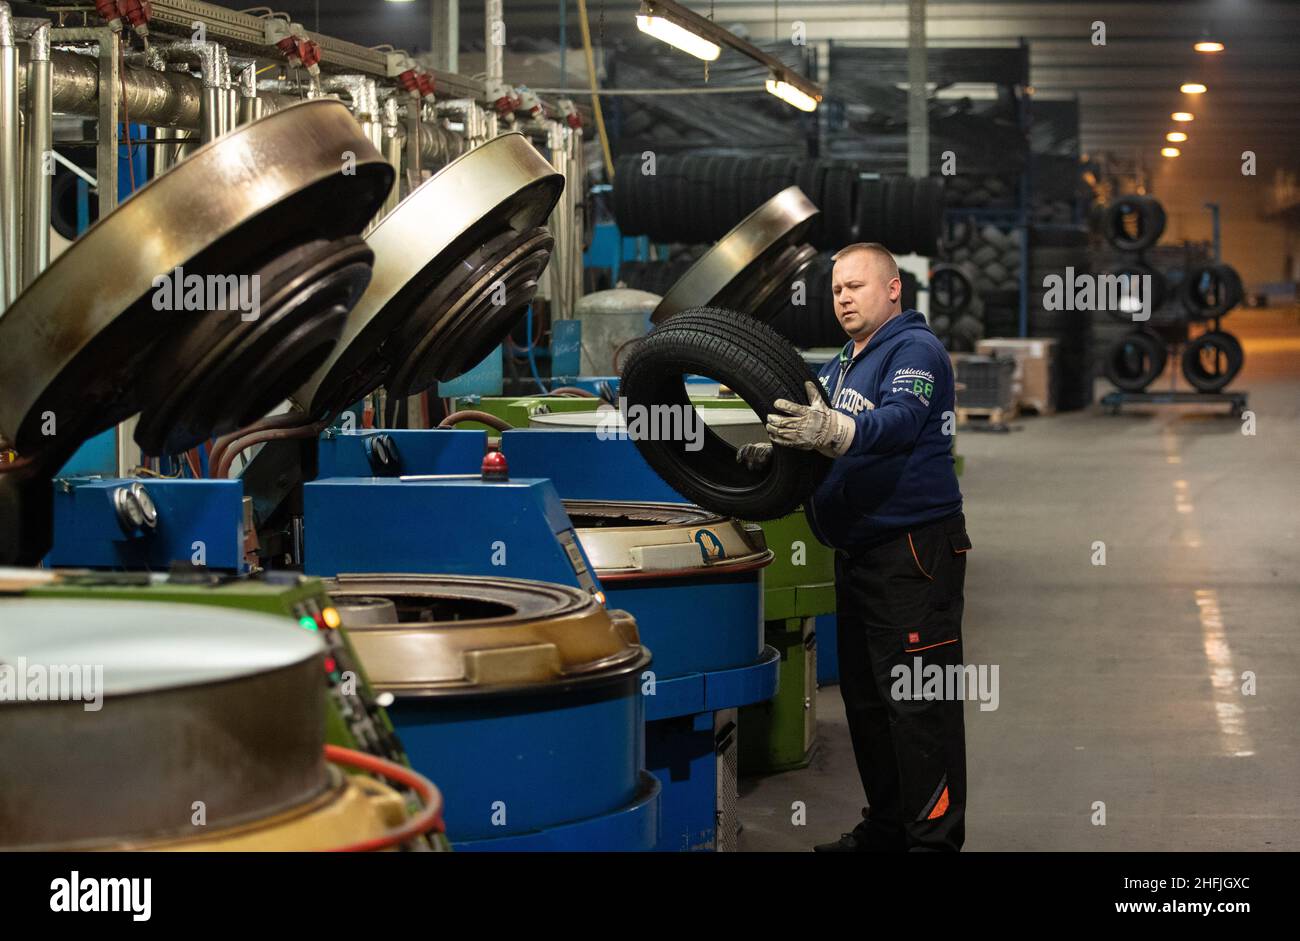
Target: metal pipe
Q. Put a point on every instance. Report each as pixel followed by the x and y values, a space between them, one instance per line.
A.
pixel 414 172
pixel 918 115
pixel 107 113
pixel 493 50
pixel 39 116
pixel 363 98
pixel 393 140
pixel 250 105
pixel 164 157
pixel 215 116
pixel 10 169
pixel 173 99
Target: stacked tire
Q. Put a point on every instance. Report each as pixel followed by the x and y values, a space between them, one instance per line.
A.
pixel 696 199
pixel 956 309
pixel 981 192
pixel 1197 292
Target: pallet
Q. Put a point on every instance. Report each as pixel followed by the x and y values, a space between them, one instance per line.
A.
pixel 1113 401
pixel 989 419
pixel 1039 407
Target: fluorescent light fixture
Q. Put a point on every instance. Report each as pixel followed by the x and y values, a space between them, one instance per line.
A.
pixel 1183 116
pixel 680 26
pixel 1193 88
pixel 1169 151
pixel 791 95
pixel 1208 46
pixel 1175 137
pixel 678 36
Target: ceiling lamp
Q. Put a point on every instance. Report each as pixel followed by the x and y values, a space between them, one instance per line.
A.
pixel 1208 46
pixel 665 28
pixel 1175 137
pixel 1169 151
pixel 675 24
pixel 1183 116
pixel 790 94
pixel 1193 88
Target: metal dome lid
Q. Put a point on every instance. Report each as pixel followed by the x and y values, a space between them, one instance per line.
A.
pixel 83 339
pixel 142 647
pixel 749 266
pixel 120 720
pixel 464 635
pixel 421 316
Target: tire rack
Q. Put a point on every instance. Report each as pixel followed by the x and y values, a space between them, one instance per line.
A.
pixel 1236 400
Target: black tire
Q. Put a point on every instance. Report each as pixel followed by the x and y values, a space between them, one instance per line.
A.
pixel 838 209
pixel 960 231
pixel 1137 269
pixel 871 211
pixel 1135 361
pixel 1211 291
pixel 626 170
pixel 1133 223
pixel 898 215
pixel 927 219
pixel 757 363
pixel 1212 360
pixel 952 289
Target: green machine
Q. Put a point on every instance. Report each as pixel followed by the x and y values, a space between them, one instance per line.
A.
pixel 354 718
pixel 799 585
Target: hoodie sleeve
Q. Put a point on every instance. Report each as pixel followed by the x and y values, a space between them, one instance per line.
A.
pixel 909 386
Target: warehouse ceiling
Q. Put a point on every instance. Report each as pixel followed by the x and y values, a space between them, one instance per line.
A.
pixel 1127 88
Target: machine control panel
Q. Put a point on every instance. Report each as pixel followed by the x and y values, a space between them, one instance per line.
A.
pixel 586 581
pixel 355 704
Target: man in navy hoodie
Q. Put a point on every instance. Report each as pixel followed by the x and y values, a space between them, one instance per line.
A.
pixel 891 508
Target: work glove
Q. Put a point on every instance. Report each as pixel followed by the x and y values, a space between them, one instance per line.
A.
pixel 755 456
pixel 816 427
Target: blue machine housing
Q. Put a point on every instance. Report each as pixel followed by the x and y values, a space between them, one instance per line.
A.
pixel 706 631
pixel 567 765
pixel 542 771
pixel 198 520
pixel 458 524
pixel 351 453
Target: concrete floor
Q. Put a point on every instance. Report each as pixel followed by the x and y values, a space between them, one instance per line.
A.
pixel 1119 683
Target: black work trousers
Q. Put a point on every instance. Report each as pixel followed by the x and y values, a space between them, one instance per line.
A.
pixel 900 605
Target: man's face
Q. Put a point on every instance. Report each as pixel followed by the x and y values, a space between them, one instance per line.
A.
pixel 866 293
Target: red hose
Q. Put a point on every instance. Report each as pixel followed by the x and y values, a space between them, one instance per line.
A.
pixel 240 445
pixel 471 414
pixel 428 820
pixel 283 420
pixel 573 391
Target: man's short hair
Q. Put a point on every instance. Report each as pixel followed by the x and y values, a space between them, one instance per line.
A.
pixel 874 248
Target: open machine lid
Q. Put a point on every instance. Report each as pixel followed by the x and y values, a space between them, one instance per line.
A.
pixel 751 267
pixel 92 341
pixel 456 265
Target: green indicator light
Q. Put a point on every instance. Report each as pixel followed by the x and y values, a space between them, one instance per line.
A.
pixel 306 623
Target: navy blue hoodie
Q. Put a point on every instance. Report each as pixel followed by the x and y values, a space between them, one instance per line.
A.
pixel 898 474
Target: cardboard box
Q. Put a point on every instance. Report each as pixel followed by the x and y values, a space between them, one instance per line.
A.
pixel 1031 382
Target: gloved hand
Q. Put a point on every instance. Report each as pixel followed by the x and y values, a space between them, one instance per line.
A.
pixel 816 427
pixel 755 456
